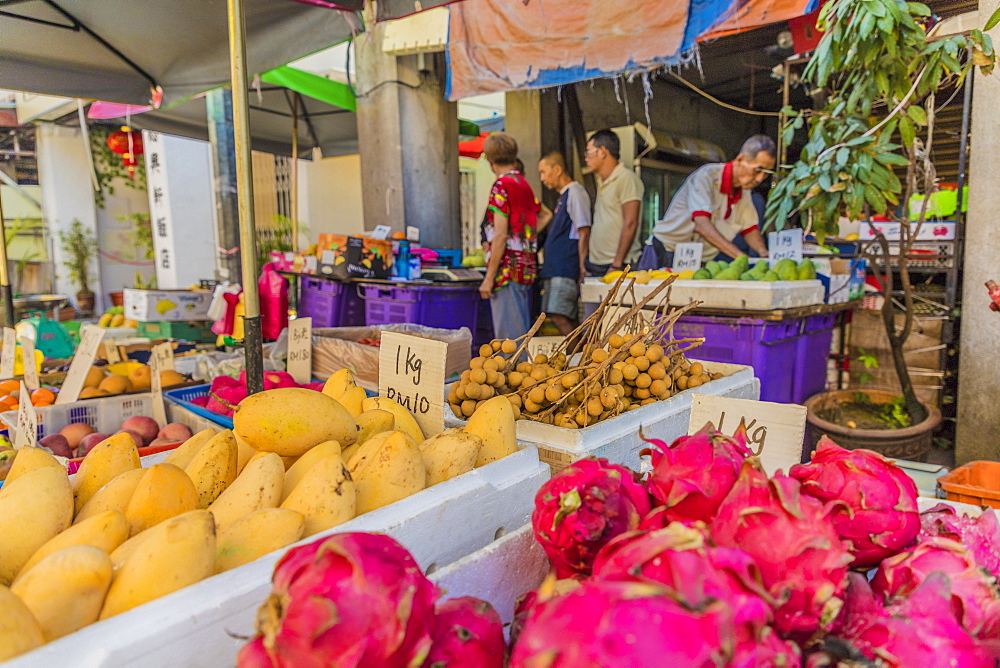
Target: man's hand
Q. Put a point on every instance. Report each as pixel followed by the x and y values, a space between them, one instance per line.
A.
pixel 486 287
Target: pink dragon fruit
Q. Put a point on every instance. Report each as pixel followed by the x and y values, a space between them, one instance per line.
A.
pixel 919 630
pixel 790 536
pixel 225 394
pixel 551 588
pixel 879 518
pixel 466 632
pixel 692 476
pixel 604 623
pixel 765 649
pixel 583 507
pixel 694 573
pixel 352 599
pixel 980 535
pixel 974 594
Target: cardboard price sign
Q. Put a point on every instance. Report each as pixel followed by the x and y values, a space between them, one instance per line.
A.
pixel 8 355
pixel 544 345
pixel 111 352
pixel 164 354
pixel 411 372
pixel 300 350
pixel 156 387
pixel 786 244
pixel 26 432
pixel 774 431
pixel 28 362
pixel 687 256
pixel 83 359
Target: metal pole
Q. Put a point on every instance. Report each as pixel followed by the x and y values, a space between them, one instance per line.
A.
pixel 6 294
pixel 295 172
pixel 252 339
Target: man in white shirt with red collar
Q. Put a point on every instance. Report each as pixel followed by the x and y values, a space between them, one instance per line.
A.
pixel 713 206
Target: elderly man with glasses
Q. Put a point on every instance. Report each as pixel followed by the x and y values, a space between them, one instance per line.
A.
pixel 713 206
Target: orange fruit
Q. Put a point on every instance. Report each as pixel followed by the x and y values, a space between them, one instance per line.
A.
pixel 9 386
pixel 15 406
pixel 43 396
pixel 8 403
pixel 39 404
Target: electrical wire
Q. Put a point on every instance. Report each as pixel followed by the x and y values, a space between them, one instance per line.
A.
pixel 350 84
pixel 719 102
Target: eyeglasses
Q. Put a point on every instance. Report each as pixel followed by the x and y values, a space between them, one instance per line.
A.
pixel 591 151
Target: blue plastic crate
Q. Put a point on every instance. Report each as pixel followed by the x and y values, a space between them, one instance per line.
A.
pixel 183 397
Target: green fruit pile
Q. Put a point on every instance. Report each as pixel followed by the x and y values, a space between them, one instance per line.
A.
pixel 739 270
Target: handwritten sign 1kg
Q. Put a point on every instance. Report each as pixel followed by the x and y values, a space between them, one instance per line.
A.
pixel 786 244
pixel 775 431
pixel 687 256
pixel 411 373
pixel 8 355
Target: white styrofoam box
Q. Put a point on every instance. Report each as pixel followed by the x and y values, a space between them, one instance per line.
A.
pixel 926 503
pixel 751 295
pixel 191 627
pixel 617 439
pixel 499 573
pixel 172 305
pixel 931 230
pixel 105 414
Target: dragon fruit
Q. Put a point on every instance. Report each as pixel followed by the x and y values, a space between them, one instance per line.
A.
pixel 790 536
pixel 692 476
pixel 551 588
pixel 352 599
pixel 980 535
pixel 225 394
pixel 919 630
pixel 975 599
pixel 583 507
pixel 879 518
pixel 766 648
pixel 694 573
pixel 605 623
pixel 466 632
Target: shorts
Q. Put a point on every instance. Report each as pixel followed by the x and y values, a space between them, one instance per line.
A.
pixel 560 296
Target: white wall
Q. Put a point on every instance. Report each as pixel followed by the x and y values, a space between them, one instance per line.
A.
pixel 67 193
pixel 117 238
pixel 330 197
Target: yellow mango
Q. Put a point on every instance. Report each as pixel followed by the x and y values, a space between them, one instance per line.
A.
pixel 338 383
pixel 185 452
pixel 254 535
pixel 449 454
pixel 295 474
pixel 28 459
pixel 33 510
pixel 109 459
pixel 258 486
pixel 65 590
pixel 19 630
pixel 494 422
pixel 290 420
pixel 243 454
pixel 213 468
pixel 325 496
pixel 164 491
pixel 353 400
pixel 288 462
pixel 113 496
pixel 394 472
pixel 105 531
pixel 357 455
pixel 171 555
pixel 404 419
pixel 374 422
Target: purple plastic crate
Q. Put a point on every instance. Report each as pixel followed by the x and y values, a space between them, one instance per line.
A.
pixel 811 356
pixel 428 305
pixel 770 347
pixel 330 303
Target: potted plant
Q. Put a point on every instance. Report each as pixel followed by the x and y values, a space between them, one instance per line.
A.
pixel 79 248
pixel 880 75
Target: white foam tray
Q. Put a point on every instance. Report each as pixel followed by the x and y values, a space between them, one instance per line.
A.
pixel 617 439
pixel 750 295
pixel 192 627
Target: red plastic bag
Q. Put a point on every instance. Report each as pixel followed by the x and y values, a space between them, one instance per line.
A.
pixel 273 290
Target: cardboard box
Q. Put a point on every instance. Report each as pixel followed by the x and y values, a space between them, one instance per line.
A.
pixel 174 305
pixel 843 280
pixel 343 256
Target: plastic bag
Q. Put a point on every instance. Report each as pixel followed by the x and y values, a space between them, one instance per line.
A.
pixel 273 290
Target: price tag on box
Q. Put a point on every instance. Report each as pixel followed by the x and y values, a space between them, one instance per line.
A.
pixel 90 340
pixel 411 372
pixel 544 345
pixel 786 244
pixel 164 354
pixel 774 431
pixel 156 387
pixel 300 350
pixel 687 256
pixel 28 362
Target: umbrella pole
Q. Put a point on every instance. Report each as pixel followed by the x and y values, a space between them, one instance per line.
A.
pixel 252 339
pixel 6 294
pixel 295 173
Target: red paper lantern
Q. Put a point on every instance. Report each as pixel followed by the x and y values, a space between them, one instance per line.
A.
pixel 119 141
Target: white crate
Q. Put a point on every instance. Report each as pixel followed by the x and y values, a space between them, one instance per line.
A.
pixel 190 419
pixel 192 627
pixel 750 295
pixel 617 439
pixel 105 414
